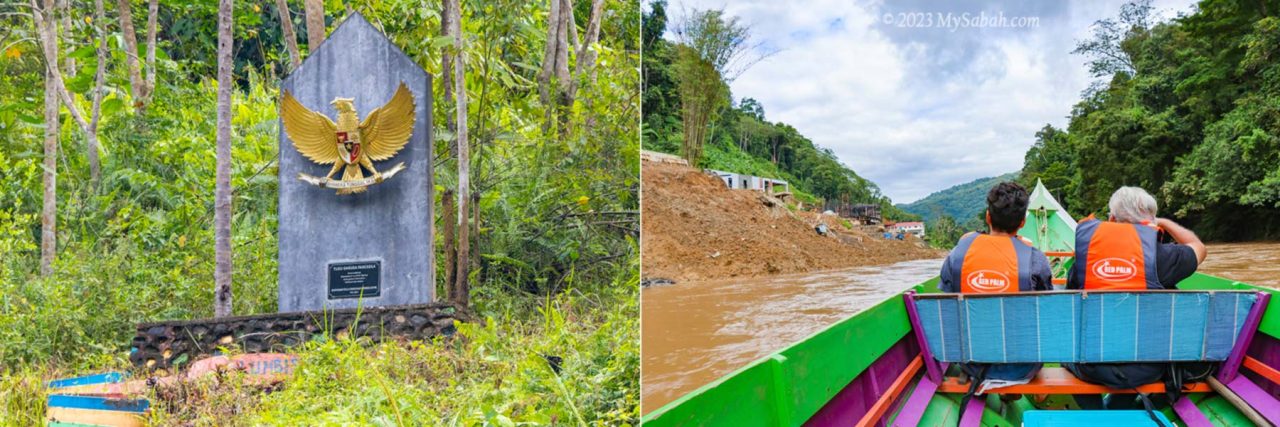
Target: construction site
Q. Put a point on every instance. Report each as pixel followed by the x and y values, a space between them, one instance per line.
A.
pixel 696 228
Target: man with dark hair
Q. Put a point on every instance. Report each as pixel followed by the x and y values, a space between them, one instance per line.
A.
pixel 998 262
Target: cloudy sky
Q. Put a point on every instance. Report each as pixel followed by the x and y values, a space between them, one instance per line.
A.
pixel 914 108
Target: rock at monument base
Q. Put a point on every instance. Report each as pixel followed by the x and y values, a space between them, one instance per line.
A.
pixel 162 345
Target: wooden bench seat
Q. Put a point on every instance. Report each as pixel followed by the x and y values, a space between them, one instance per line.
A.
pixel 1061 381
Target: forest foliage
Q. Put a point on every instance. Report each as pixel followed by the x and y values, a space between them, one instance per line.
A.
pixel 1188 109
pixel 551 275
pixel 737 136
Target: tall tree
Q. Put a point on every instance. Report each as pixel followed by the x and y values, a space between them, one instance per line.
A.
pixel 222 190
pixel 586 68
pixel 553 80
pixel 446 68
pixel 290 39
pixel 49 209
pixel 137 85
pixel 557 85
pixel 315 23
pixel 463 289
pixel 153 8
pixel 64 7
pixel 140 87
pixel 702 94
pixel 1111 48
pixel 49 47
pixel 713 51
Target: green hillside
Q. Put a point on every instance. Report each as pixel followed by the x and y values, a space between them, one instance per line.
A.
pixel 1186 109
pixel 736 136
pixel 962 202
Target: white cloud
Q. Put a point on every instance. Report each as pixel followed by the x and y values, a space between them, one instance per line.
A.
pixel 917 110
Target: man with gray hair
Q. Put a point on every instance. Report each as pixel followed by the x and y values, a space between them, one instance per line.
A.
pixel 1123 253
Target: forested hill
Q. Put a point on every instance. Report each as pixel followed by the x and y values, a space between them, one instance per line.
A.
pixel 1189 109
pixel 736 137
pixel 962 202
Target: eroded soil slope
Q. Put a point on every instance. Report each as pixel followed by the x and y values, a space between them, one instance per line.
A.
pixel 696 229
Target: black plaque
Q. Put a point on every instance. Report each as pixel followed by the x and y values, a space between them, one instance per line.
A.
pixel 359 279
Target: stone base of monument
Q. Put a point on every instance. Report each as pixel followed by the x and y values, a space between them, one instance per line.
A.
pixel 165 345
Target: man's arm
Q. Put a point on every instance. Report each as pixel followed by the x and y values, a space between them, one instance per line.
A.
pixel 946 278
pixel 1041 274
pixel 1183 236
pixel 1074 281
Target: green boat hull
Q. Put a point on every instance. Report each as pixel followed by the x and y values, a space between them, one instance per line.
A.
pixel 791 386
pixel 834 375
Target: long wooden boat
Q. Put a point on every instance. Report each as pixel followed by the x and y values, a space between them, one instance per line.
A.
pixel 877 368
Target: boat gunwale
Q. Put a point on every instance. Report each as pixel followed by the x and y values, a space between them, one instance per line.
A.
pixel 1269 325
pixel 772 357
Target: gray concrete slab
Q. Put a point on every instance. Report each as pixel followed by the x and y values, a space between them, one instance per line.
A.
pixel 392 221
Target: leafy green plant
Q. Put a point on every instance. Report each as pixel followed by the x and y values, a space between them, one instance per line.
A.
pixel 557 269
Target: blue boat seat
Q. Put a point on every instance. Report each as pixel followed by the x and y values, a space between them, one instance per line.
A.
pixel 1084 327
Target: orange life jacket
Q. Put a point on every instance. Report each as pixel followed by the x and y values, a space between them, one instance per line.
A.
pixel 1116 256
pixel 991 264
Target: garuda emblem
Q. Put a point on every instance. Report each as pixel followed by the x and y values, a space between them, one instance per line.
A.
pixel 350 145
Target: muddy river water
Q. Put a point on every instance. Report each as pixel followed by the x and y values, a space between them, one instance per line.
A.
pixel 695 332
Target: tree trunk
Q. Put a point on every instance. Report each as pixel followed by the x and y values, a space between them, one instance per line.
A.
pixel 587 56
pixel 549 63
pixel 475 229
pixel 464 158
pixel 49 48
pixel 446 68
pixel 563 79
pixel 136 84
pixel 222 184
pixel 46 26
pixel 91 131
pixel 448 217
pixel 49 210
pixel 290 39
pixel 65 7
pixel 153 8
pixel 315 23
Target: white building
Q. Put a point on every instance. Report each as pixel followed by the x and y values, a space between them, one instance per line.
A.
pixel 913 227
pixel 751 182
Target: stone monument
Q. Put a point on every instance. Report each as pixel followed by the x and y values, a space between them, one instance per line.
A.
pixel 374 246
pixel 356 249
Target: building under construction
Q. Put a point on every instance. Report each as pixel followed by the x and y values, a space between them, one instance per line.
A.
pixel 863 213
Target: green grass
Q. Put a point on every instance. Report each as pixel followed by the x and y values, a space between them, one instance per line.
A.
pixel 494 372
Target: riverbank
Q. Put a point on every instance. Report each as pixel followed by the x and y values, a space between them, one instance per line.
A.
pixel 695 228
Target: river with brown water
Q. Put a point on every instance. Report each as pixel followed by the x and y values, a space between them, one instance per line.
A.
pixel 1256 263
pixel 696 332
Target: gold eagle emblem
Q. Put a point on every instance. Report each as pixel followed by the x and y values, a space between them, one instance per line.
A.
pixel 350 144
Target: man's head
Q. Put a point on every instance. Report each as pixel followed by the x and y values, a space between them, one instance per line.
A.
pixel 1006 207
pixel 1132 205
